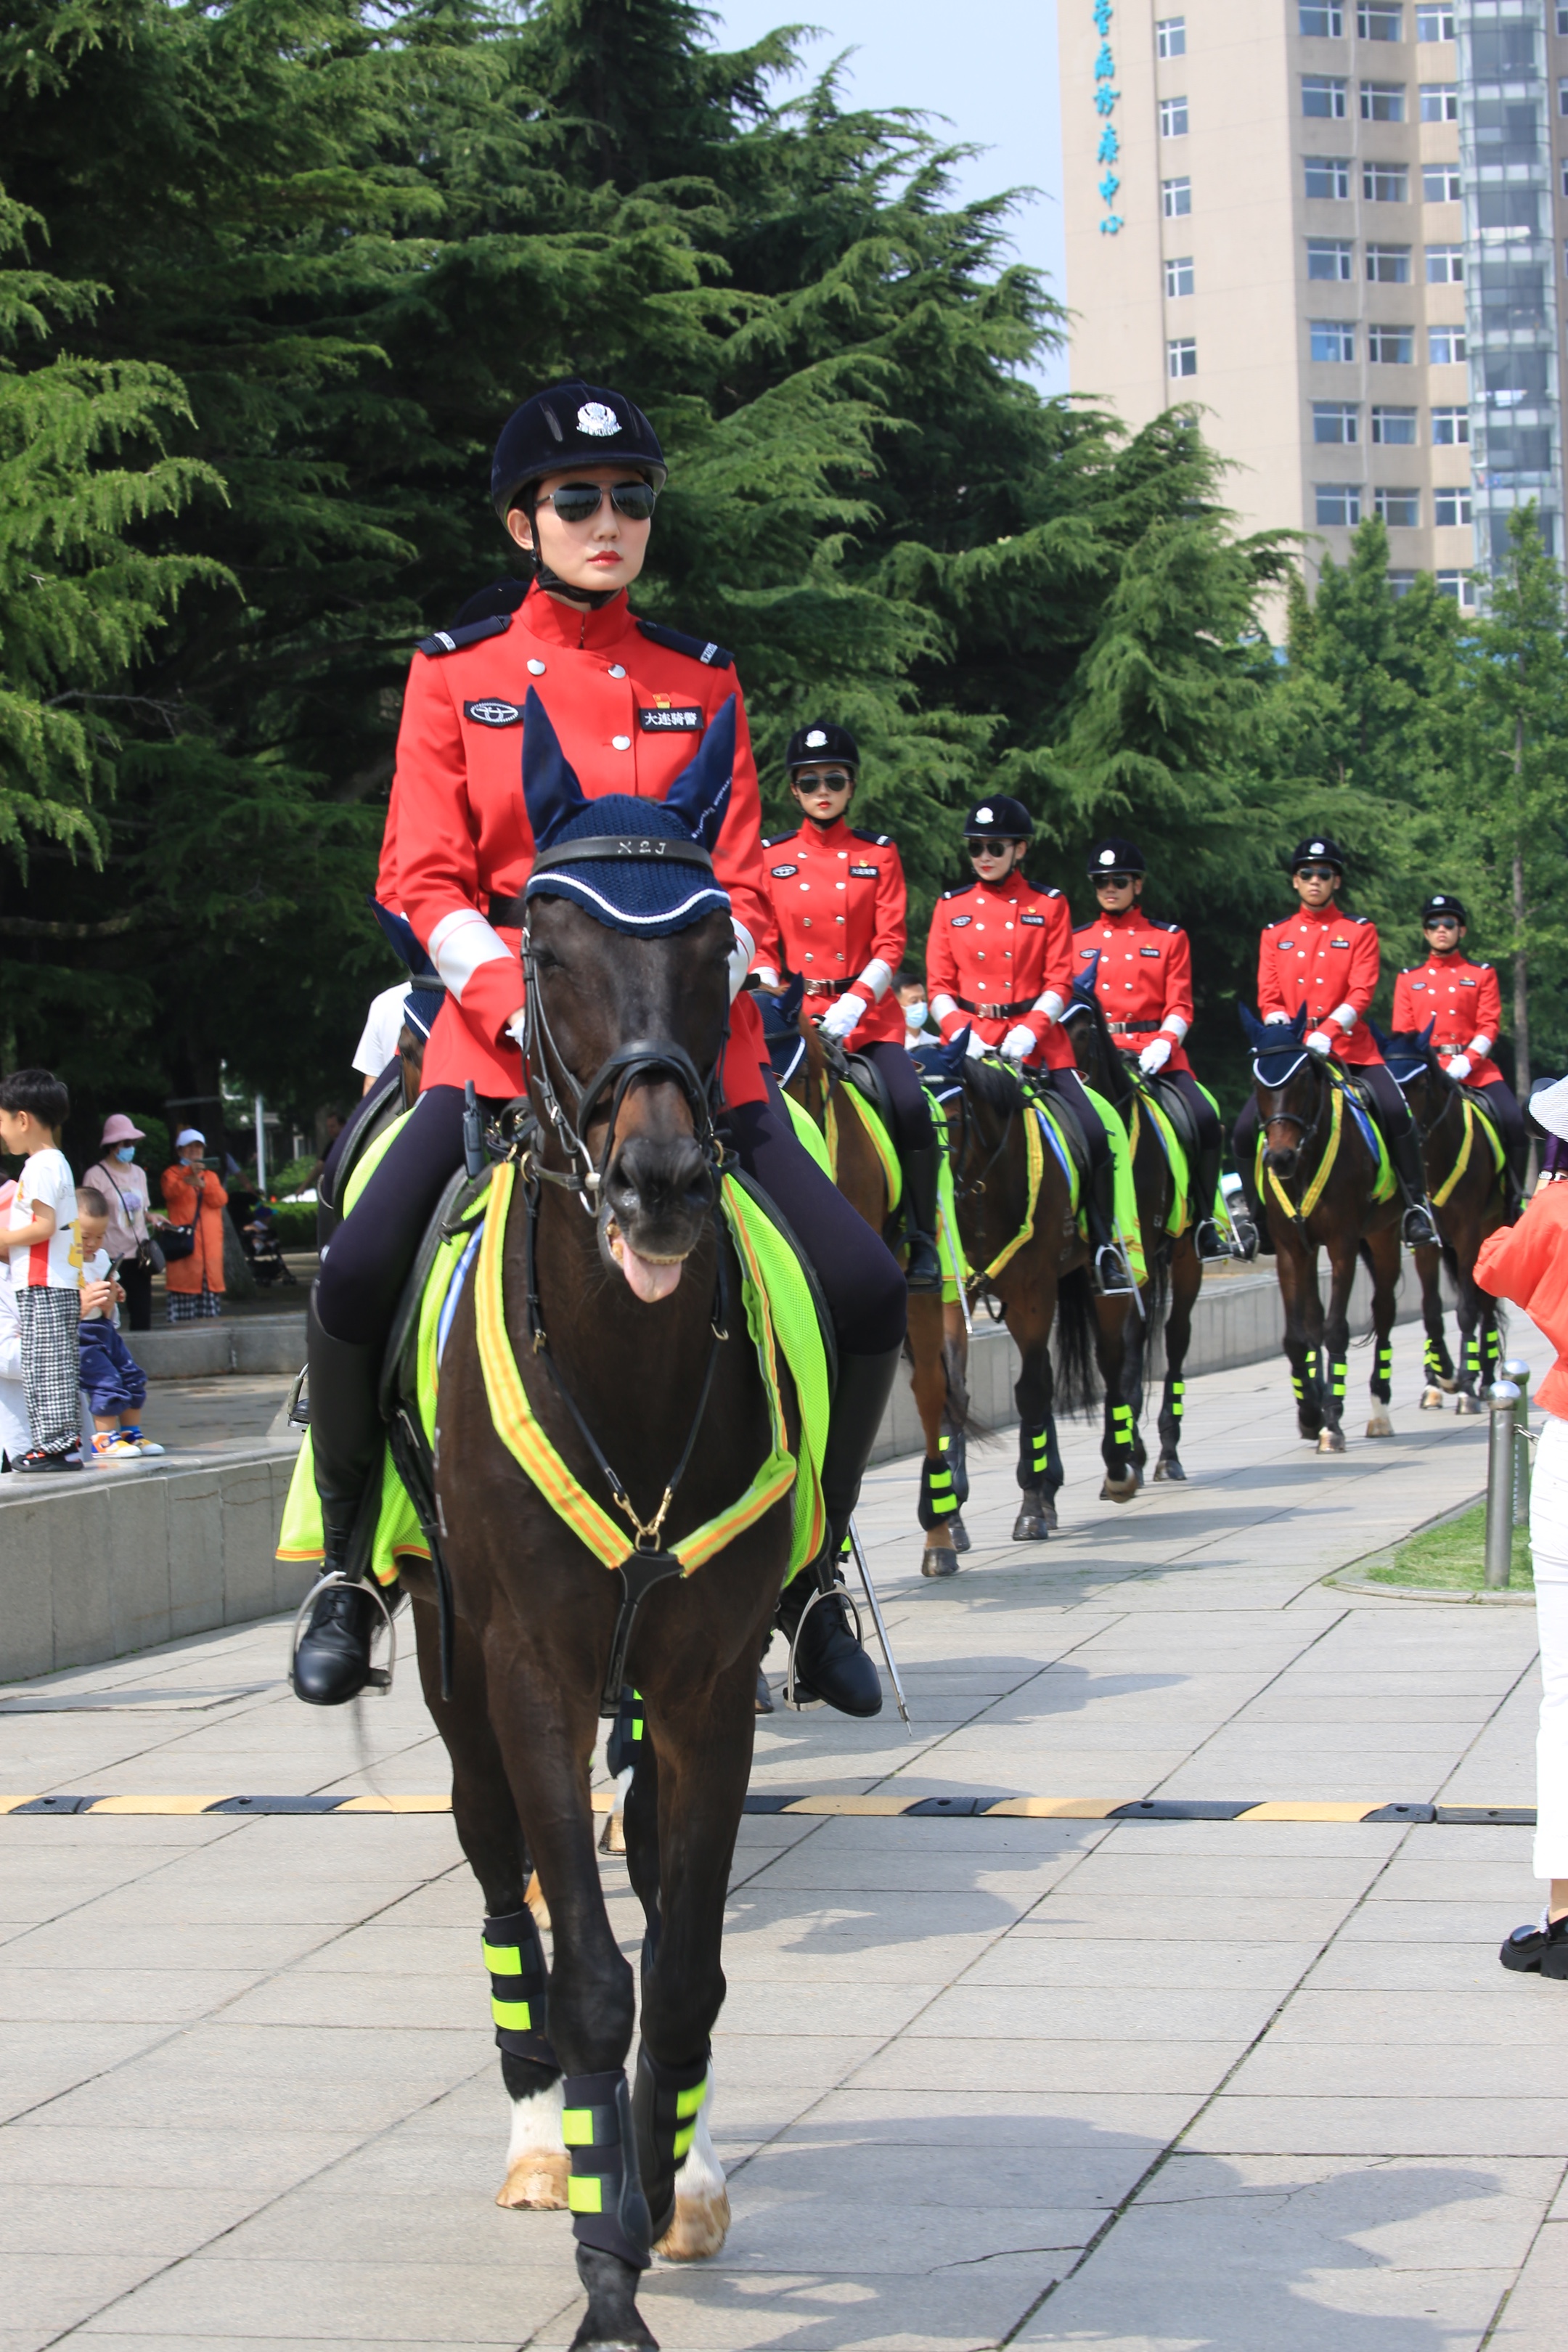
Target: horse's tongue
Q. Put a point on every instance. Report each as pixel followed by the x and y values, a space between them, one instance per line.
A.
pixel 650 1280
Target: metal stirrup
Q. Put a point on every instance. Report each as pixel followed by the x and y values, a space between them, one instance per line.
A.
pixel 825 1592
pixel 377 1678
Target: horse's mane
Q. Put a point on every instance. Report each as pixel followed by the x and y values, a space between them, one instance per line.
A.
pixel 996 1087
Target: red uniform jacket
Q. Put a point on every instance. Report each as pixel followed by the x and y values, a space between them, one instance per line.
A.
pixel 838 901
pixel 630 702
pixel 1006 944
pixel 1144 977
pixel 1529 1263
pixel 1466 1001
pixel 1323 958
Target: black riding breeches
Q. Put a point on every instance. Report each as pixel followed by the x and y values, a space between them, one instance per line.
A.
pixel 1393 1110
pixel 1500 1100
pixel 370 1257
pixel 1070 1086
pixel 913 1127
pixel 1205 1117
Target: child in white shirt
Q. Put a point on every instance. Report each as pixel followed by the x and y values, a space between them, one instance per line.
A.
pixel 46 1265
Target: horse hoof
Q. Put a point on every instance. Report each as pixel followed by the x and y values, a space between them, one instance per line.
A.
pixel 939 1560
pixel 613 1836
pixel 1332 1441
pixel 1379 1426
pixel 536 2183
pixel 700 2228
pixel 1032 1525
pixel 1168 1467
pixel 958 1534
pixel 611 2322
pixel 764 1702
pixel 1120 1490
pixel 1448 1382
pixel 534 1899
pixel 1463 1403
pixel 1431 1400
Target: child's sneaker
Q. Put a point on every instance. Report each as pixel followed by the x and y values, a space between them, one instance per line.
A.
pixel 36 1459
pixel 112 1445
pixel 144 1444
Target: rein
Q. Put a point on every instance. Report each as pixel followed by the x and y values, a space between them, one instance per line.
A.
pixel 1331 1092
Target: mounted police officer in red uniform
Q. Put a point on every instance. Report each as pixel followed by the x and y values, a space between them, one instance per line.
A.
pixel 1000 962
pixel 1145 980
pixel 1329 960
pixel 576 476
pixel 1464 1004
pixel 838 900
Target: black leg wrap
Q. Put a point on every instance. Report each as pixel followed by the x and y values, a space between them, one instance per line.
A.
pixel 939 1499
pixel 514 1955
pixel 621 1747
pixel 1040 1457
pixel 609 2210
pixel 666 2103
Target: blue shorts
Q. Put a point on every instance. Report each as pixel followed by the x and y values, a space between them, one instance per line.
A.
pixel 113 1380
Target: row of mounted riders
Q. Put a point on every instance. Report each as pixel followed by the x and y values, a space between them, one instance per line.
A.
pixel 580 952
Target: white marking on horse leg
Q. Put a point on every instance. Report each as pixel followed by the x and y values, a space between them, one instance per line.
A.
pixel 701 2200
pixel 536 2160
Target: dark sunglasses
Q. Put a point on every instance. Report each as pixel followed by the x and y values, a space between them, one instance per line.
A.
pixel 576 501
pixel 1316 873
pixel 836 780
pixel 985 844
pixel 1442 922
pixel 1110 881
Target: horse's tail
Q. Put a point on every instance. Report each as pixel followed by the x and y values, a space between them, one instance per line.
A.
pixel 1077 1381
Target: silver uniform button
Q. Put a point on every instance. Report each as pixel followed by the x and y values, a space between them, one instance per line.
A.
pixel 536 669
pixel 621 742
pixel 616 671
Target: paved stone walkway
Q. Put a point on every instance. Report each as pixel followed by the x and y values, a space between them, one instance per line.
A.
pixel 1130 2086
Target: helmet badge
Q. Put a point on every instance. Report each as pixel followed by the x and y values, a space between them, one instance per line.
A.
pixel 1108 856
pixel 983 816
pixel 816 739
pixel 594 418
pixel 1316 849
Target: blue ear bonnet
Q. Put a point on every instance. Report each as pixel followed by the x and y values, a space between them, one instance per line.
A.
pixel 1083 987
pixel 941 1067
pixel 780 1028
pixel 421 1004
pixel 1277 1048
pixel 1405 1052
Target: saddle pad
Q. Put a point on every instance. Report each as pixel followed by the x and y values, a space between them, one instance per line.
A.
pixel 809 1135
pixel 882 1143
pixel 1176 1159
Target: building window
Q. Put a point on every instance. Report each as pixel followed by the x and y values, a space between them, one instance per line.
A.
pixel 1563 97
pixel 1335 421
pixel 1390 346
pixel 1322 20
pixel 1172 118
pixel 1328 175
pixel 1331 258
pixel 1450 507
pixel 1401 509
pixel 1171 36
pixel 1375 24
pixel 1563 20
pixel 1182 357
pixel 1394 428
pixel 1435 24
pixel 1440 184
pixel 1444 265
pixel 1388 265
pixel 1458 585
pixel 1332 339
pixel 1565 179
pixel 1338 502
pixel 1439 101
pixel 1179 278
pixel 1400 583
pixel 1382 102
pixel 1323 97
pixel 1450 427
pixel 1175 198
pixel 1447 345
pixel 1385 184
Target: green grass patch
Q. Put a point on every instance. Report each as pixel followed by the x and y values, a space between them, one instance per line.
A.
pixel 1452 1558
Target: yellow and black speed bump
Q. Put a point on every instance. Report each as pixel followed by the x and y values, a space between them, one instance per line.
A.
pixel 849 1807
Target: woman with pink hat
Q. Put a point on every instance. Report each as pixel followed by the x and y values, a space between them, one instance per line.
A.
pixel 129 1242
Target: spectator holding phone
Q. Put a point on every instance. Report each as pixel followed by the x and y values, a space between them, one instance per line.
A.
pixel 193 1241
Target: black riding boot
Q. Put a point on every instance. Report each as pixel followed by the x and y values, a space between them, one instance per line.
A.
pixel 829 1663
pixel 1112 1276
pixel 1419 1227
pixel 332 1662
pixel 921 1170
pixel 1208 1239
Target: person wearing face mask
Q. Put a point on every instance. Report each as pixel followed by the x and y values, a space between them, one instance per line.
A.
pixel 1464 1005
pixel 838 900
pixel 1327 960
pixel 575 480
pixel 911 992
pixel 1000 964
pixel 115 1174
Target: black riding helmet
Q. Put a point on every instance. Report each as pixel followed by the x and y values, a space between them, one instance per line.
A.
pixel 1321 850
pixel 1115 854
pixel 811 747
pixel 567 425
pixel 999 818
pixel 1442 903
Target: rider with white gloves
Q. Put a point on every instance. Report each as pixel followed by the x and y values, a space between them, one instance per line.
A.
pixel 838 900
pixel 1327 960
pixel 1143 977
pixel 1463 1003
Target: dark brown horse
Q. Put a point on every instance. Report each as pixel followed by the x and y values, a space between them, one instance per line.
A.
pixel 622 1302
pixel 1175 1273
pixel 1318 1177
pixel 1470 1199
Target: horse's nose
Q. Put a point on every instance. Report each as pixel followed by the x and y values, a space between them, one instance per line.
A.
pixel 655 1181
pixel 1282 1163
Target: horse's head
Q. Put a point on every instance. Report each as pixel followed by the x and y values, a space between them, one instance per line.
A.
pixel 1413 1066
pixel 1288 1086
pixel 626 950
pixel 1083 1018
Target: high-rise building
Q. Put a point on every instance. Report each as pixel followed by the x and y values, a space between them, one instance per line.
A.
pixel 1332 223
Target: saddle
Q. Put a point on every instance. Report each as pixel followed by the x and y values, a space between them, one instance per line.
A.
pixel 1058 1109
pixel 1178 1110
pixel 369 1119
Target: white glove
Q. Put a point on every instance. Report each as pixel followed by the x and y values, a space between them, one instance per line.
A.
pixel 1460 1068
pixel 1019 1044
pixel 1320 1042
pixel 1273 1020
pixel 976 1049
pixel 1155 1056
pixel 841 1016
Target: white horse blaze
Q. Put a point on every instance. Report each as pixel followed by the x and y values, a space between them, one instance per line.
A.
pixel 536 2160
pixel 701 2200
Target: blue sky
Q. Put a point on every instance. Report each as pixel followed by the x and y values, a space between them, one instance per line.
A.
pixel 993 75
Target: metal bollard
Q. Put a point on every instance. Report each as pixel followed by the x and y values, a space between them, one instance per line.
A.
pixel 1502 1398
pixel 1516 1371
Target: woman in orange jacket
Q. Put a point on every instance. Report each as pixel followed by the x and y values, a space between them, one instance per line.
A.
pixel 194 1195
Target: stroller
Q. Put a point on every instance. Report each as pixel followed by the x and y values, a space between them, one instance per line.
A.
pixel 265 1251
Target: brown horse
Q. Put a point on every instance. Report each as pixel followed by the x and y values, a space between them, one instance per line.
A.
pixel 1470 1199
pixel 1320 1174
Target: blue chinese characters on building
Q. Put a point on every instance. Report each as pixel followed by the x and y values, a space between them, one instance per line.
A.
pixel 1106 95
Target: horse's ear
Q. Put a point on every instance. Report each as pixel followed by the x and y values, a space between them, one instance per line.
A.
pixel 940 1063
pixel 1297 1024
pixel 794 997
pixel 700 793
pixel 551 792
pixel 1083 981
pixel 400 931
pixel 1380 1039
pixel 1426 1035
pixel 1252 1028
